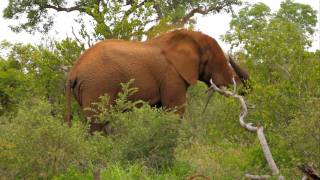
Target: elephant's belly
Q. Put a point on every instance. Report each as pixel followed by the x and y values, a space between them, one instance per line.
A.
pixel 148 90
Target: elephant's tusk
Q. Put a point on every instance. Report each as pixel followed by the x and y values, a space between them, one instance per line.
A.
pixel 213 86
pixel 223 88
pixel 210 91
pixel 234 85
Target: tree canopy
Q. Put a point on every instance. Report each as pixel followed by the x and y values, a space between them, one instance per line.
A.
pixel 124 19
pixel 256 24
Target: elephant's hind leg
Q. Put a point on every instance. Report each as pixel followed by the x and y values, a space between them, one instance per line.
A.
pixel 100 127
pixel 89 111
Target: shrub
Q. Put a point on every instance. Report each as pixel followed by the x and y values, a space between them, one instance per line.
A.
pixel 134 171
pixel 35 145
pixel 139 134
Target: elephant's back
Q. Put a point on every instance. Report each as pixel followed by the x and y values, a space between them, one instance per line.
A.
pixel 119 55
pixel 119 52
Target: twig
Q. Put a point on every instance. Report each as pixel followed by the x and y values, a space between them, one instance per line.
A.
pixel 257 177
pixel 250 127
pixel 75 36
pixel 198 176
pixel 309 172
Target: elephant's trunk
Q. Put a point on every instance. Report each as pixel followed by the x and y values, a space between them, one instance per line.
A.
pixel 243 75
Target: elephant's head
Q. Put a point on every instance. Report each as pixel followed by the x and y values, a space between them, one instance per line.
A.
pixel 197 56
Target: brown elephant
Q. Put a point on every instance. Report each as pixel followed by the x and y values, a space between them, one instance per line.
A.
pixel 162 69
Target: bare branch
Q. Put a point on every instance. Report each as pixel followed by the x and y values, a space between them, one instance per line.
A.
pixel 309 172
pixel 266 151
pixel 251 128
pixel 96 174
pixel 284 69
pixel 88 40
pixel 243 114
pixel 257 177
pixel 158 10
pixel 59 8
pixel 199 10
pixel 132 8
pixel 75 36
pixel 197 176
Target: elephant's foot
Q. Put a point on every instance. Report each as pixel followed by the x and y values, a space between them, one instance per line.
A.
pixel 100 127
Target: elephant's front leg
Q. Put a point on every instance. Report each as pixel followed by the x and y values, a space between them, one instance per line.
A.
pixel 173 94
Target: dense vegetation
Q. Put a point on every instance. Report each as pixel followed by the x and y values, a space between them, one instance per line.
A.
pixel 151 143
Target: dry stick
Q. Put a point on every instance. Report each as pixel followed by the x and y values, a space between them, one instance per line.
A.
pixel 257 176
pixel 196 176
pixel 251 128
pixel 304 177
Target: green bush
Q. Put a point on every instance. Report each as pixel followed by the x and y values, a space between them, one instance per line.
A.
pixel 134 171
pixel 35 145
pixel 150 137
pixel 139 134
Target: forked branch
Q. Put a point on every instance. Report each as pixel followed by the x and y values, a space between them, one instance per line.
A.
pixel 250 127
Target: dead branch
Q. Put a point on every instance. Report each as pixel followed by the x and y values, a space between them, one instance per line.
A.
pixel 266 151
pixel 304 177
pixel 199 10
pixel 195 176
pixel 257 177
pixel 309 172
pixel 75 36
pixel 244 112
pixel 250 127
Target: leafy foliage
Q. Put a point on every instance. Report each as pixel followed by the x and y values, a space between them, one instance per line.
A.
pixel 35 145
pixel 125 19
pixel 259 31
pixel 12 83
pixel 145 134
pixel 285 77
pixel 303 15
pixel 28 71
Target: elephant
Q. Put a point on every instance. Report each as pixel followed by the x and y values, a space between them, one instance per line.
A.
pixel 162 68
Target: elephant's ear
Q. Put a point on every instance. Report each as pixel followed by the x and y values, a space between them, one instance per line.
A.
pixel 183 54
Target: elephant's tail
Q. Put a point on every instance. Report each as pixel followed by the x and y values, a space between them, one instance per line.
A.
pixel 67 118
